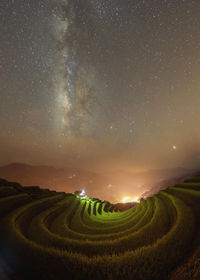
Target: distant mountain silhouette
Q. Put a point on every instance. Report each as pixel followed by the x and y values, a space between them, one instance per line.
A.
pixel 112 186
pixel 150 180
pixel 161 185
pixel 60 179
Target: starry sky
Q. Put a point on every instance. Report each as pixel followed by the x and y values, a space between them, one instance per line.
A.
pixel 100 84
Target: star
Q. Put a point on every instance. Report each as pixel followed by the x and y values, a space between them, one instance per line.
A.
pixel 93 75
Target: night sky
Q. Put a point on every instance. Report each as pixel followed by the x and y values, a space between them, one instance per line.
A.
pixel 100 84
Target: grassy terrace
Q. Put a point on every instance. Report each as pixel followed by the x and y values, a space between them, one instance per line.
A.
pixel 49 235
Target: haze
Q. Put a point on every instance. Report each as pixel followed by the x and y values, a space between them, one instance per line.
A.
pixel 111 87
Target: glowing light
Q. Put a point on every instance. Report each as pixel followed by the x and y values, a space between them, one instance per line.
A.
pixel 130 199
pixel 174 147
pixel 82 193
pixel 136 199
pixel 126 199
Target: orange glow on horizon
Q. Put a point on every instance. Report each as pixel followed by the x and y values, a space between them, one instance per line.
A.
pixel 127 199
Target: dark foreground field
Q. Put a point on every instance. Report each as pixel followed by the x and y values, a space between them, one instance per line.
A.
pixel 50 235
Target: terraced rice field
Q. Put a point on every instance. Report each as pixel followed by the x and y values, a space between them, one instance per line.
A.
pixel 49 235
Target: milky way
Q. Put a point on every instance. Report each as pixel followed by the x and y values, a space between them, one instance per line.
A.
pixel 78 93
pixel 100 83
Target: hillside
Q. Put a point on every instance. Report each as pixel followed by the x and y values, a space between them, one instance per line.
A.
pixel 109 186
pixel 61 179
pixel 50 235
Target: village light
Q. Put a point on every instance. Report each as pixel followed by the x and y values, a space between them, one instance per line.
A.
pixel 126 199
pixel 136 199
pixel 130 199
pixel 80 193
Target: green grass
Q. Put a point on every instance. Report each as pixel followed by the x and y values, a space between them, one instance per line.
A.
pixel 48 235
